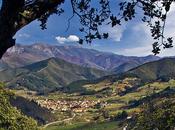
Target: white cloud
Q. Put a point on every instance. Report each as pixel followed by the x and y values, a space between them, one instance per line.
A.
pixel 137 51
pixel 73 38
pixel 70 38
pixel 142 33
pixel 115 33
pixel 144 51
pixel 168 52
pixel 61 40
pixel 172 9
pixel 23 35
pixel 170 24
pixel 142 27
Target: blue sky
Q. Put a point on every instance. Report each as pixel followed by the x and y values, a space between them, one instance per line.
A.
pixel 131 38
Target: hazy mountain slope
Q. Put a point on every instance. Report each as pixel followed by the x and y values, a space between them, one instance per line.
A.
pixel 22 55
pixel 48 74
pixel 162 69
pixel 125 67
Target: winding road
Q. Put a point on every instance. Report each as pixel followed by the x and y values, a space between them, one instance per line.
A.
pixel 55 122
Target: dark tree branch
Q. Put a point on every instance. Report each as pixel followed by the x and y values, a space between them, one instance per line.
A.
pixel 15 14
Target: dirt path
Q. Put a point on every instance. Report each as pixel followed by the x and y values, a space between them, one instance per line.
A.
pixel 55 122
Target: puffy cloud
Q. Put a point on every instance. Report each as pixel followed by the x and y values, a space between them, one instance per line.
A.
pixel 70 38
pixel 142 28
pixel 73 38
pixel 115 33
pixel 142 33
pixel 61 40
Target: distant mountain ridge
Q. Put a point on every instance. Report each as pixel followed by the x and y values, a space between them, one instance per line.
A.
pixel 22 55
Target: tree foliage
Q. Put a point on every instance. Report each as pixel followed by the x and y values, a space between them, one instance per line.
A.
pixel 154 15
pixel 121 115
pixel 15 14
pixel 10 117
pixel 155 116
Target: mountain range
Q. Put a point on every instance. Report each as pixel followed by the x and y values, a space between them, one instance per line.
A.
pixel 48 75
pixel 43 67
pixel 162 70
pixel 22 55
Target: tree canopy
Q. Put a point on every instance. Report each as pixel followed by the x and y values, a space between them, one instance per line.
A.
pixel 155 116
pixel 15 14
pixel 10 117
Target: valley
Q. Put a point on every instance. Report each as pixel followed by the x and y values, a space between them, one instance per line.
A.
pixel 64 95
pixel 100 108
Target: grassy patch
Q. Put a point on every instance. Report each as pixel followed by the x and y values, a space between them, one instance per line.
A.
pixel 87 126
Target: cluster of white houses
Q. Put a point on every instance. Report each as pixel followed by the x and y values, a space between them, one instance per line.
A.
pixel 65 105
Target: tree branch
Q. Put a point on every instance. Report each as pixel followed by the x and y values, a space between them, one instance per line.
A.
pixel 15 14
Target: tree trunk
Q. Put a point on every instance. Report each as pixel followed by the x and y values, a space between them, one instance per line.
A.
pixel 6 36
pixel 8 22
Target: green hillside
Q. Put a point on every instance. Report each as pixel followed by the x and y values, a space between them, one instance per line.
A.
pixel 48 75
pixel 90 126
pixel 10 117
pixel 32 109
pixel 163 69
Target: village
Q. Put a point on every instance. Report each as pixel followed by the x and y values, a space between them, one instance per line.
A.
pixel 77 106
